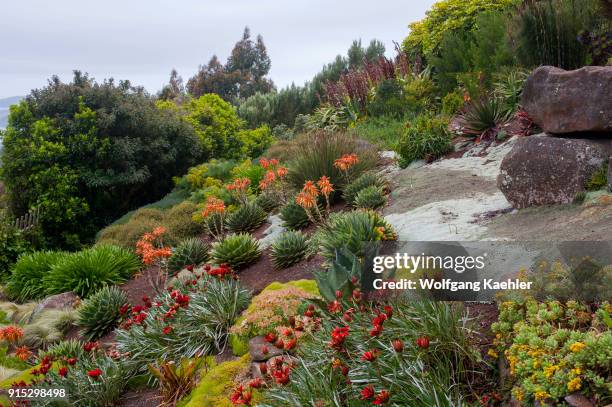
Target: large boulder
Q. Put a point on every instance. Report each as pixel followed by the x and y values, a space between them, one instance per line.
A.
pixel 541 170
pixel 562 102
pixel 67 300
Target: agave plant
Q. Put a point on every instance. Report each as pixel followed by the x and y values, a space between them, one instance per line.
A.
pixel 246 218
pixel 294 216
pixel 339 277
pixel 363 181
pixel 372 197
pixel 192 251
pixel 484 116
pixel 100 313
pixel 290 248
pixel 237 250
pixel 267 202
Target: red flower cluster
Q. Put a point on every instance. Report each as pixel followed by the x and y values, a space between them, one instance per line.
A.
pixel 346 161
pixel 45 366
pixel 11 333
pixel 379 320
pixel 422 342
pixel 150 247
pixel 182 300
pixel 94 373
pixel 91 346
pixel 370 355
pixel 220 272
pixel 338 336
pixel 368 392
pixel 240 396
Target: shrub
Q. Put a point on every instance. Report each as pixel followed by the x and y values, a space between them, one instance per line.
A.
pixel 363 181
pixel 126 235
pixel 85 272
pixel 26 281
pixel 190 252
pixel 426 138
pixel 267 201
pixel 351 230
pixel 237 250
pixel 388 100
pixel 12 245
pixel 100 313
pixel 371 197
pixel 191 321
pixel 288 249
pixel 509 87
pixel 270 310
pixel 246 218
pixel 452 103
pixel 47 328
pixel 316 153
pixel 102 149
pixel 179 222
pixel 554 349
pixel 483 115
pixel 251 171
pixel 293 216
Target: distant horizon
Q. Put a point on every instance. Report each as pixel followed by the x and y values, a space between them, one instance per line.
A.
pixel 146 40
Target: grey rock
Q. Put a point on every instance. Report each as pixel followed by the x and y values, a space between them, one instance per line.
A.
pixel 548 170
pixel 256 346
pixel 578 400
pixel 58 301
pixel 610 174
pixel 562 102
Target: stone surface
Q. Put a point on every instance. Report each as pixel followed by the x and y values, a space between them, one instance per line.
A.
pixel 541 170
pixel 58 301
pixel 272 233
pixel 562 102
pixel 610 174
pixel 578 400
pixel 256 349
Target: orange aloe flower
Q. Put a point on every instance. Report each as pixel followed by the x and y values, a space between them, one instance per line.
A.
pixel 264 163
pixel 310 188
pixel 23 353
pixel 325 186
pixel 213 205
pixel 281 172
pixel 305 200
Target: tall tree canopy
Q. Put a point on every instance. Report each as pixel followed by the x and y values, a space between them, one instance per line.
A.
pixel 243 75
pixel 87 152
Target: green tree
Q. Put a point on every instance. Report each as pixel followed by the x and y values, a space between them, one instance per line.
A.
pixel 84 153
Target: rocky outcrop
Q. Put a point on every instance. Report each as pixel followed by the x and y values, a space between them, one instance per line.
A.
pixel 541 170
pixel 260 350
pixel 562 102
pixel 65 300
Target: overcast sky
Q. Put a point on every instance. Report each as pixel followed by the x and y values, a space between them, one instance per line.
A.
pixel 142 40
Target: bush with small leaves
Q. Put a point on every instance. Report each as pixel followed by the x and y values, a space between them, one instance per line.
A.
pixel 363 181
pixel 290 248
pixel 89 270
pixel 371 197
pixel 100 313
pixel 190 252
pixel 294 216
pixel 26 280
pixel 246 218
pixel 237 250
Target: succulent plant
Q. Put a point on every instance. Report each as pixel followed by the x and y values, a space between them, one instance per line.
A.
pixel 237 250
pixel 290 248
pixel 365 180
pixel 293 216
pixel 267 202
pixel 339 276
pixel 215 225
pixel 100 313
pixel 246 218
pixel 372 197
pixel 350 230
pixel 191 251
pixel 66 348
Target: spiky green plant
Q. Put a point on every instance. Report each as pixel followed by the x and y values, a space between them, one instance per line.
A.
pixel 237 250
pixel 350 230
pixel 293 216
pixel 372 197
pixel 246 218
pixel 89 270
pixel 99 313
pixel 290 248
pixel 26 280
pixel 215 225
pixel 66 348
pixel 193 251
pixel 363 181
pixel 267 202
pixel 484 114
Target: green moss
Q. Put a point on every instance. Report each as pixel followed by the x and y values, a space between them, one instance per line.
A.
pixel 216 385
pixel 599 179
pixel 310 286
pixel 239 344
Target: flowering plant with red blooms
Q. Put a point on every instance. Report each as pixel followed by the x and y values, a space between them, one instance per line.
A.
pixel 11 333
pixel 95 373
pixel 240 189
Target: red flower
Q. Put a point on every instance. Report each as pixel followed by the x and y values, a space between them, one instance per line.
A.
pixel 124 309
pixel 279 343
pixel 281 375
pixel 398 345
pixel 167 330
pixel 95 373
pixel 256 383
pixel 308 313
pixel 338 294
pixel 63 371
pixel 89 346
pixel 290 344
pixel 338 336
pixel 189 267
pixel 287 332
pixel 381 398
pixel 380 319
pixel 423 342
pixel 263 367
pixel 377 330
pixel 270 337
pixel 345 370
pixel 370 355
pixel 388 311
pixel 334 306
pixel 265 350
pixel 137 309
pixel 367 392
pixel 72 361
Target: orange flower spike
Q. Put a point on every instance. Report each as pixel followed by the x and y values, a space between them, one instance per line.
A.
pixel 269 176
pixel 273 162
pixel 305 200
pixel 325 186
pixel 23 353
pixel 264 163
pixel 282 172
pixel 310 188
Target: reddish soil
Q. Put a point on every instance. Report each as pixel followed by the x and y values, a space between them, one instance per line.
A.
pixel 140 398
pixel 257 276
